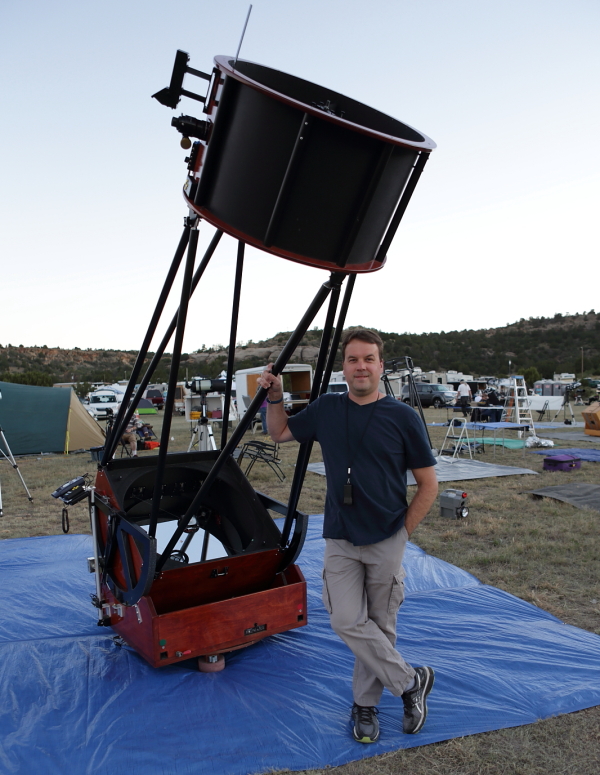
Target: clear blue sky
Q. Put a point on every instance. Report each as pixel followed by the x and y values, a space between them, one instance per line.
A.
pixel 503 225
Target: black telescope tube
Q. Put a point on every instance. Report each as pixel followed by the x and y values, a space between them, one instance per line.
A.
pixel 165 340
pixel 297 539
pixel 306 447
pixel 186 287
pixel 334 281
pixel 119 426
pixel 338 332
pixel 235 309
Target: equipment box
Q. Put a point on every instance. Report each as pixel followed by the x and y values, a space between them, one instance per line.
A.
pixel 561 463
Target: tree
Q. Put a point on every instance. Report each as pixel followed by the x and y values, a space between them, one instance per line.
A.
pixel 531 375
pixel 29 378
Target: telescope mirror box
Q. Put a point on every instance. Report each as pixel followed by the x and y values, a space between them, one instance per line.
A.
pixel 454 504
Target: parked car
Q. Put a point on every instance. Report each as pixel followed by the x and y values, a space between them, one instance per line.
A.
pixel 337 387
pixel 156 397
pixel 103 403
pixel 430 395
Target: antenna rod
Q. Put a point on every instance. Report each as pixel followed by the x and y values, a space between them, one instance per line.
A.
pixel 242 38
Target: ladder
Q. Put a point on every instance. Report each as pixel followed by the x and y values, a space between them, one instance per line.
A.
pixel 517 408
pixel 452 436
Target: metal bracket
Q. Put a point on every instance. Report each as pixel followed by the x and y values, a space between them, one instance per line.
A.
pixel 170 96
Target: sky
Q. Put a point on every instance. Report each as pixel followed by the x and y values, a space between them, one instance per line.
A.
pixel 503 224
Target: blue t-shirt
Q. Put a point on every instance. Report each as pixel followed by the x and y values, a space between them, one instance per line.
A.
pixel 379 441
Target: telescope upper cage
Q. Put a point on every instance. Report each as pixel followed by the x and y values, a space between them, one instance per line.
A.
pixel 301 171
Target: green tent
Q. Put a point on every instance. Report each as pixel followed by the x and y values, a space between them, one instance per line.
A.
pixel 40 419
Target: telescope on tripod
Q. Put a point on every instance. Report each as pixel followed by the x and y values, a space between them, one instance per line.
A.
pixel 202 437
pixel 307 175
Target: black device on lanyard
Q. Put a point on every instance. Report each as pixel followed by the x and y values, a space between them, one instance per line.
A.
pixel 348 494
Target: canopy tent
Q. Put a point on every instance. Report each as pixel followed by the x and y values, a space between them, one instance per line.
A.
pixel 40 419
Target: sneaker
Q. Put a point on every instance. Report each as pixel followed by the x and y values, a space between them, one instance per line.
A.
pixel 415 701
pixel 365 725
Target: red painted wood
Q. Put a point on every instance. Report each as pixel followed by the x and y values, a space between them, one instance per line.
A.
pixel 192 585
pixel 215 627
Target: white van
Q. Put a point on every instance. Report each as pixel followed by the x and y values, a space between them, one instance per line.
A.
pixel 103 402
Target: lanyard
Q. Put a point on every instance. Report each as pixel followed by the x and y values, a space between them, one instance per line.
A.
pixel 348 494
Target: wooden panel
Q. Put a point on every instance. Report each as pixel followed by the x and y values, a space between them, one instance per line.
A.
pixel 197 584
pixel 216 627
pixel 139 635
pixel 300 380
pixel 228 624
pixel 252 384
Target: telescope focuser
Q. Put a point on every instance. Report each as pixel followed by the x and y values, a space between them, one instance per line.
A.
pixel 191 127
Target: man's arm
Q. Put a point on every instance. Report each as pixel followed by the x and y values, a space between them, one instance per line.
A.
pixel 427 490
pixel 276 417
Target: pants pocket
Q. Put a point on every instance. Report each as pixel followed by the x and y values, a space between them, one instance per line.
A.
pixel 325 594
pixel 396 593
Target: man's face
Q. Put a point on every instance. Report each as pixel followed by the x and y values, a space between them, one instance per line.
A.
pixel 362 368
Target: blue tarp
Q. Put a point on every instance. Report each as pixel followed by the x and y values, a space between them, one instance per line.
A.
pixel 590 455
pixel 72 701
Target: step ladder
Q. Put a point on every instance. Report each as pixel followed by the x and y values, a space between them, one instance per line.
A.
pixel 517 408
pixel 460 439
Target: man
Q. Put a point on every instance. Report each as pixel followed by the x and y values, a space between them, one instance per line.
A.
pixel 130 436
pixel 492 400
pixel 464 397
pixel 368 441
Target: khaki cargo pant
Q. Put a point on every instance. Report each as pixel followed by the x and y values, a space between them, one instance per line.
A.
pixel 363 587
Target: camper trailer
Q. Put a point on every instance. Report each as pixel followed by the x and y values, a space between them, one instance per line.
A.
pixel 297 382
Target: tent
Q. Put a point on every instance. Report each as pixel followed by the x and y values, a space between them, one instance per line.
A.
pixel 144 406
pixel 40 419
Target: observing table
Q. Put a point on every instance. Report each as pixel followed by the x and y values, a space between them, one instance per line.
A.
pixel 498 426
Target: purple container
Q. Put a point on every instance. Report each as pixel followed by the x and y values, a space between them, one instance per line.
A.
pixel 562 463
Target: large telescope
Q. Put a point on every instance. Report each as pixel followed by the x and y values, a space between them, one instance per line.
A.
pixel 306 174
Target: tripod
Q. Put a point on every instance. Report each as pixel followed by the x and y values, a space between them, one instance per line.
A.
pixel 566 404
pixel 202 432
pixel 414 399
pixel 9 456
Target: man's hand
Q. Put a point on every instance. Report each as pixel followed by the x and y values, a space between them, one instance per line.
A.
pixel 276 416
pixel 271 383
pixel 427 490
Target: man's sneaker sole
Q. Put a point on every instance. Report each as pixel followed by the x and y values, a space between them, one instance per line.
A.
pixel 426 681
pixel 364 738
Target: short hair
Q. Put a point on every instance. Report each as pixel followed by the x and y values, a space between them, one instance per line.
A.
pixel 363 335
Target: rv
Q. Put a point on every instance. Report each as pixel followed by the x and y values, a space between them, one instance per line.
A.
pixel 297 384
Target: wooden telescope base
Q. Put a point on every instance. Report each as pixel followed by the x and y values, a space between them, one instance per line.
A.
pixel 175 610
pixel 173 634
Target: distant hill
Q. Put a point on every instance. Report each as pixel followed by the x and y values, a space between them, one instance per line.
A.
pixel 548 344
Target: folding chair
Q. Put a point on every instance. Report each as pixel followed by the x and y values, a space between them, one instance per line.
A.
pixel 124 447
pixel 260 451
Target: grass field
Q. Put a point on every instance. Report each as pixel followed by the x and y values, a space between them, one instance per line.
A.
pixel 543 551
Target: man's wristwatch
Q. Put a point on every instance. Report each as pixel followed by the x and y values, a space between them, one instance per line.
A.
pixel 279 400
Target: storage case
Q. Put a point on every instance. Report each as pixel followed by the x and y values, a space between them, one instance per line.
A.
pixel 561 463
